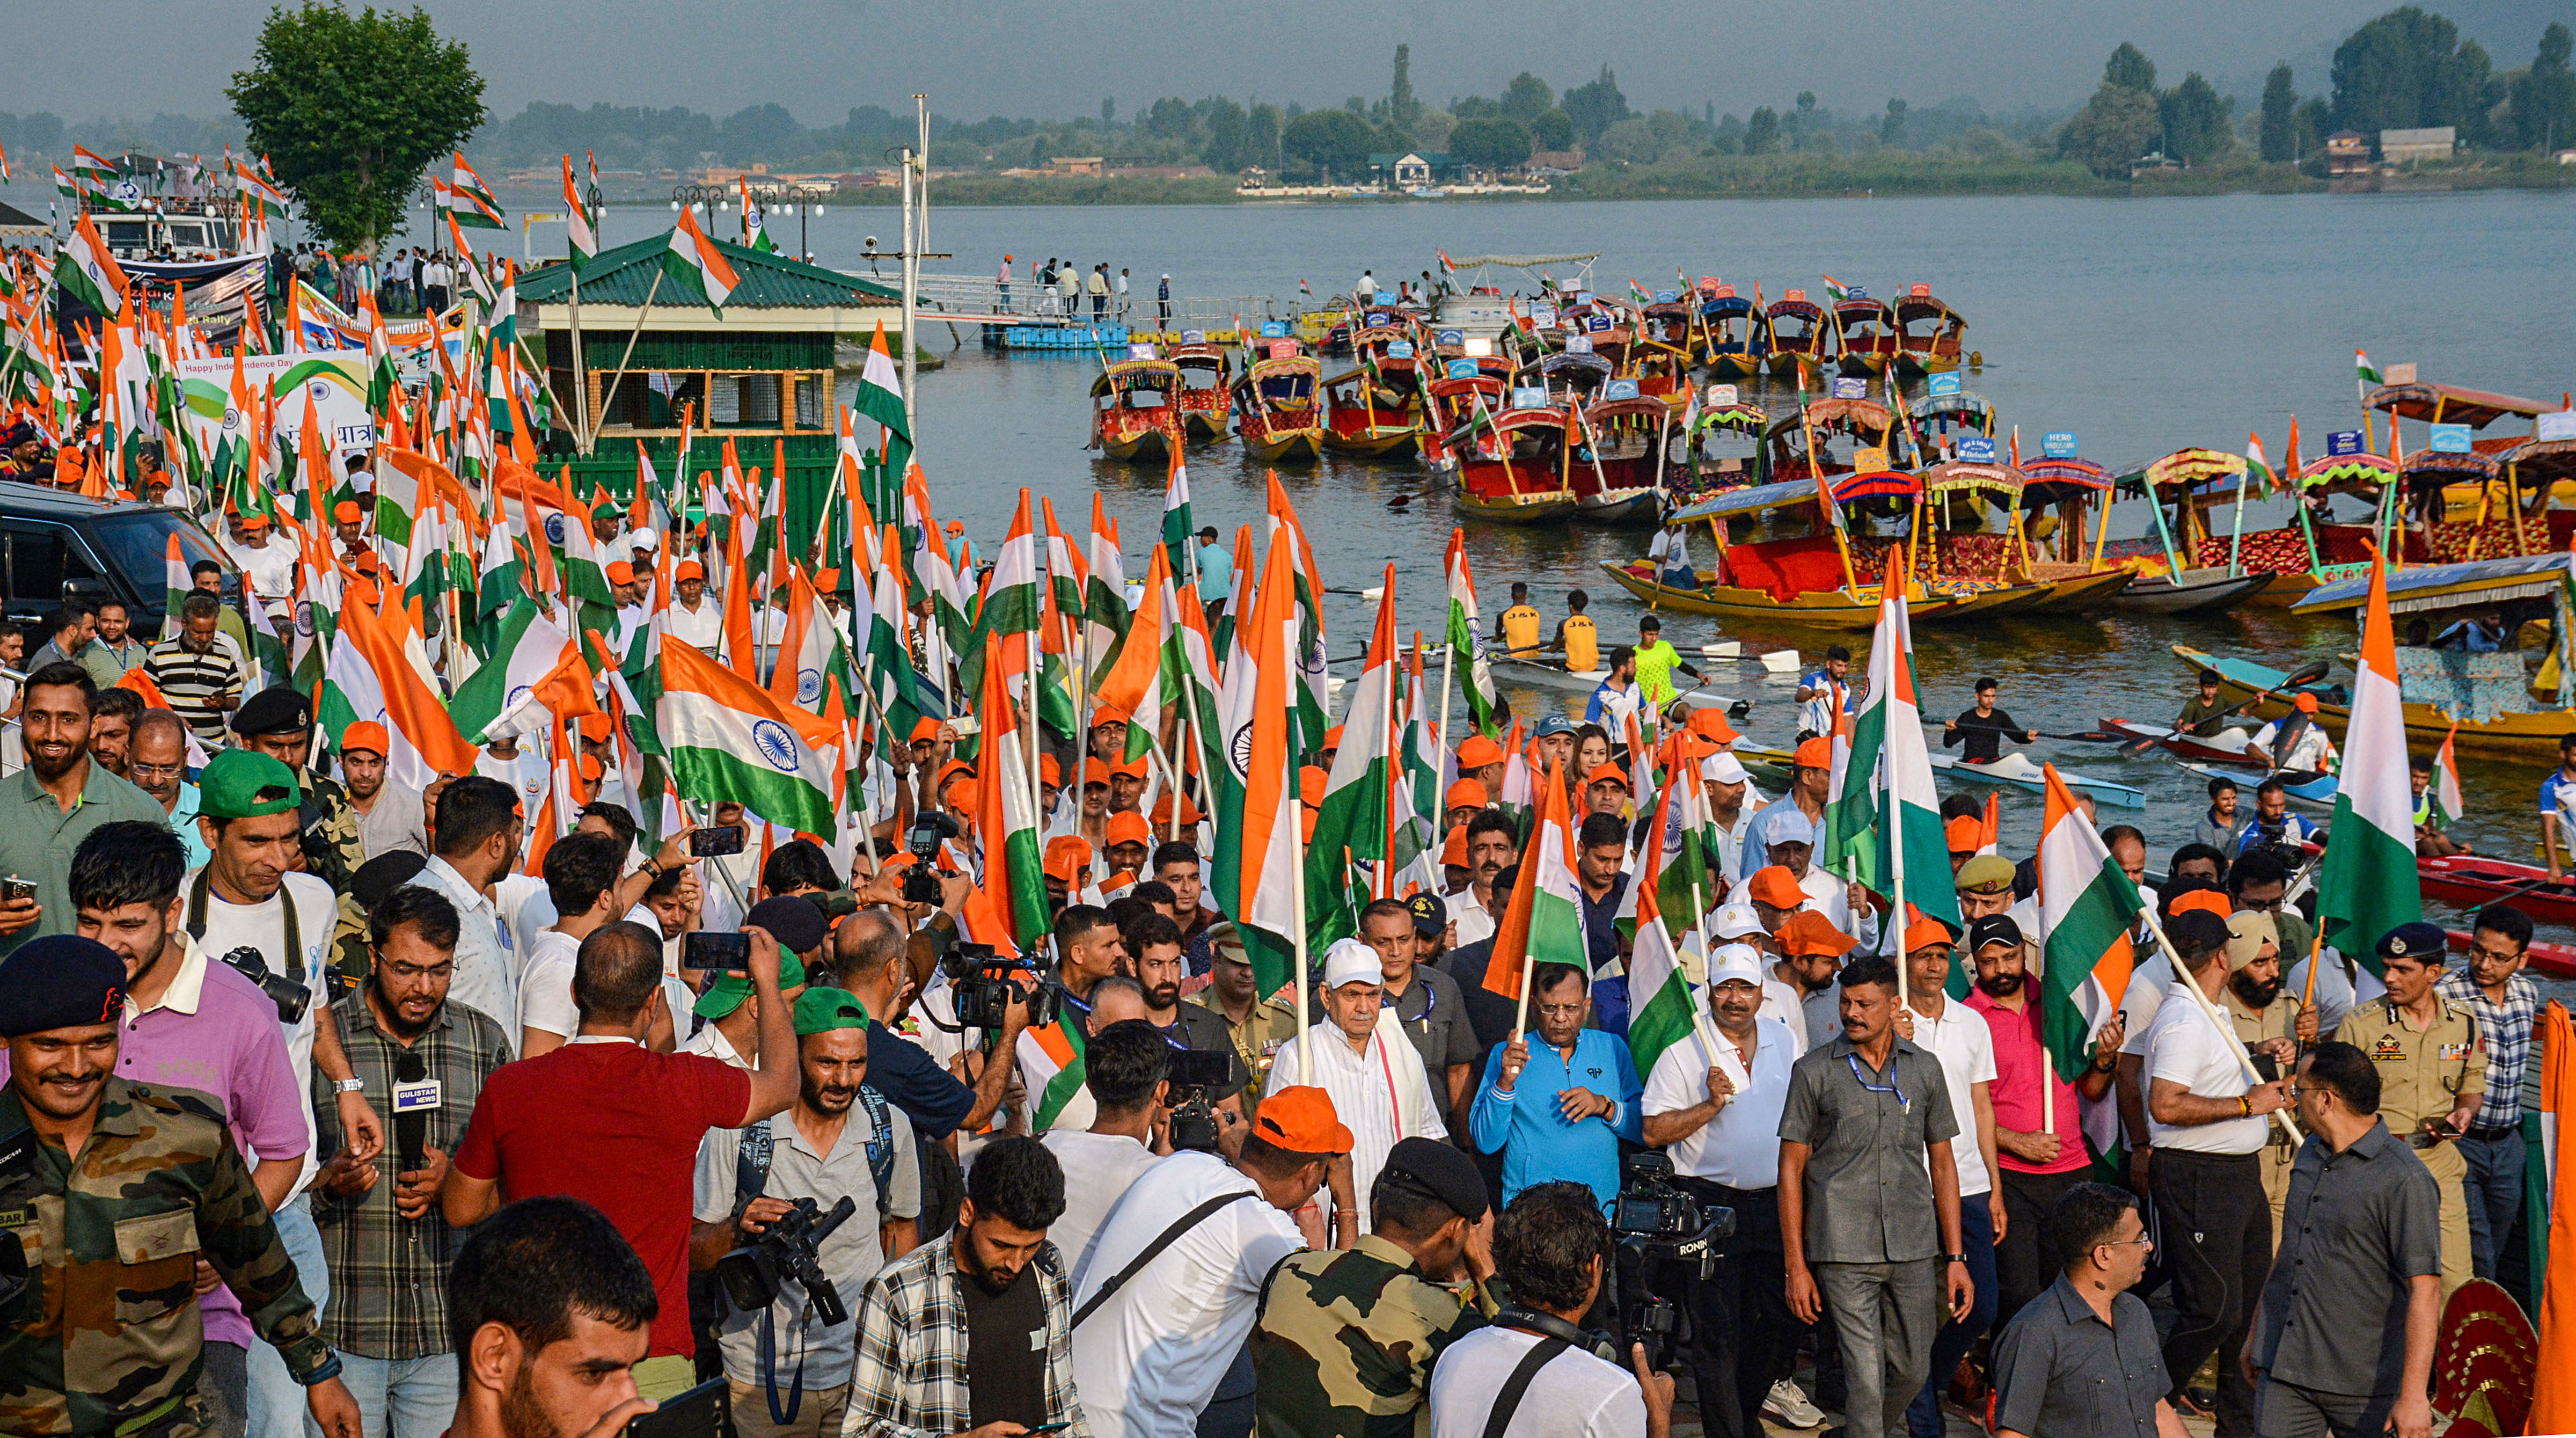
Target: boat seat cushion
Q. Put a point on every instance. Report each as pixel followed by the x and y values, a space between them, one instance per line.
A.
pixel 1785 568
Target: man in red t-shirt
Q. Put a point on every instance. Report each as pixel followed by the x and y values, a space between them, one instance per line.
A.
pixel 606 1120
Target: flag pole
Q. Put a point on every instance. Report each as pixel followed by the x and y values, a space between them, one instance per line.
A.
pixel 2244 1060
pixel 1297 890
pixel 637 333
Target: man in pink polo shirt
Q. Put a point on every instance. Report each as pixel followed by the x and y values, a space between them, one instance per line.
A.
pixel 2041 1158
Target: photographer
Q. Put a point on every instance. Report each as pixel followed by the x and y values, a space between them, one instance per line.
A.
pixel 869 959
pixel 1551 1378
pixel 1341 1328
pixel 789 1365
pixel 1716 1102
pixel 992 1287
pixel 1126 1068
pixel 1087 950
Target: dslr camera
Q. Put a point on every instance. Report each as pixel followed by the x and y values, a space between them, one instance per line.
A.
pixel 983 985
pixel 791 1248
pixel 290 997
pixel 930 829
pixel 1193 1073
pixel 1654 1227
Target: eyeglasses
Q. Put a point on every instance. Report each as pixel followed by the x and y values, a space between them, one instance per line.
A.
pixel 2123 1242
pixel 2261 906
pixel 2479 951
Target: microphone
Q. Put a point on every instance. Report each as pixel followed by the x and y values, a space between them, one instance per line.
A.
pixel 411 1130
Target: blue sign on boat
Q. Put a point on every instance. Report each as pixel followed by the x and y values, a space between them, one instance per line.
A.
pixel 1543 316
pixel 1665 297
pixel 2450 439
pixel 1379 317
pixel 1529 397
pixel 1598 324
pixel 1383 297
pixel 1399 349
pixel 1462 369
pixel 1274 329
pixel 1194 337
pixel 1619 389
pixel 1856 293
pixel 1449 337
pixel 1850 387
pixel 1140 350
pixel 2058 444
pixel 2342 442
pixel 1578 344
pixel 1942 383
pixel 1583 297
pixel 1974 449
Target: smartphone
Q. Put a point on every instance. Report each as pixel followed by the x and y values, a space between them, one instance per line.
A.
pixel 715 842
pixel 715 951
pixel 14 889
pixel 1050 1428
pixel 702 1412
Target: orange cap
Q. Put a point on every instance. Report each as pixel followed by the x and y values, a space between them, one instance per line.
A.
pixel 254 523
pixel 1922 930
pixel 1163 810
pixel 1453 850
pixel 591 726
pixel 1333 737
pixel 1710 723
pixel 1094 772
pixel 1067 855
pixel 965 794
pixel 1310 785
pixel 2304 703
pixel 1775 886
pixel 368 735
pixel 925 730
pixel 1465 794
pixel 2210 899
pixel 1808 932
pixel 1133 768
pixel 1301 1119
pixel 827 581
pixel 1816 753
pixel 689 569
pixel 1128 827
pixel 589 766
pixel 1478 752
pixel 1050 773
pixel 1107 714
pixel 1964 835
pixel 1606 774
pixel 953 770
pixel 346 512
pixel 620 572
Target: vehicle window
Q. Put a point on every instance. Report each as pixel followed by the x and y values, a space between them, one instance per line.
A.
pixel 136 543
pixel 126 232
pixel 39 558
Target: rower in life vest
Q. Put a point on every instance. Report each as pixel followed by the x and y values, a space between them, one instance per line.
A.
pixel 2298 742
pixel 1575 637
pixel 1517 627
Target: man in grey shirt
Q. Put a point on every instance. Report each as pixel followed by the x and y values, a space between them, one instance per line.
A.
pixel 1427 1004
pixel 1869 1198
pixel 2081 1360
pixel 2343 1342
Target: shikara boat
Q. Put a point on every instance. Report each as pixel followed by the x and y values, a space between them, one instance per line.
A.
pixel 1618 467
pixel 1933 335
pixel 1661 371
pixel 1856 424
pixel 1721 450
pixel 1206 396
pixel 1516 467
pixel 1363 418
pixel 1278 411
pixel 1134 416
pixel 1801 337
pixel 2053 544
pixel 1865 334
pixel 2190 480
pixel 1734 342
pixel 1456 401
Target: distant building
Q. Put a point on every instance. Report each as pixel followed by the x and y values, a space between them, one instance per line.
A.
pixel 2156 163
pixel 2347 153
pixel 1081 166
pixel 2399 146
pixel 1413 168
pixel 1560 162
pixel 2564 157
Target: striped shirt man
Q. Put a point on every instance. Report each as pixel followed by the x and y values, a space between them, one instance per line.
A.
pixel 195 681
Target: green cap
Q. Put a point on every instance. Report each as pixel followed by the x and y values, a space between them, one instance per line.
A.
pixel 822 1009
pixel 230 786
pixel 727 993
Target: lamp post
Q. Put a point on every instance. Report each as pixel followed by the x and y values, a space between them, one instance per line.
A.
pixel 715 197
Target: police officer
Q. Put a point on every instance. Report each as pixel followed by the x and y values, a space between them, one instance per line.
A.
pixel 278 721
pixel 1347 1337
pixel 2432 1072
pixel 121 1187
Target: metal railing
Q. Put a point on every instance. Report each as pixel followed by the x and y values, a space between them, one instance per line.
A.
pixel 1026 301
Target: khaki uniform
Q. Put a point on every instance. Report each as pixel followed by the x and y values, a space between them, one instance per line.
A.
pixel 1257 1040
pixel 2422 1074
pixel 2279 1021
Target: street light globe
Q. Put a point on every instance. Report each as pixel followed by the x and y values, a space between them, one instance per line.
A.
pixel 675 207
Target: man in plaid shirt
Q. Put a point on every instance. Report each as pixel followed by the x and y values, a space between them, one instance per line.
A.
pixel 992 1285
pixel 387 1246
pixel 2494 988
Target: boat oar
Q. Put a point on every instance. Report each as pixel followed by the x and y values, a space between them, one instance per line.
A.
pixel 2090 736
pixel 2298 678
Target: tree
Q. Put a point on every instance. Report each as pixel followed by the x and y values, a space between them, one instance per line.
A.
pixel 1762 132
pixel 2130 69
pixel 1168 118
pixel 350 109
pixel 1527 97
pixel 1492 143
pixel 1401 107
pixel 1552 130
pixel 2544 97
pixel 2316 121
pixel 1225 149
pixel 1891 131
pixel 2409 69
pixel 2116 126
pixel 2280 117
pixel 761 132
pixel 1333 141
pixel 1261 138
pixel 1595 107
pixel 2195 120
pixel 1108 112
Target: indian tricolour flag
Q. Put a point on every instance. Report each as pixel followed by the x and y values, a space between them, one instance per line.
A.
pixel 379 670
pixel 1544 922
pixel 2446 778
pixel 93 277
pixel 1665 1007
pixel 578 232
pixel 1006 812
pixel 1889 775
pixel 1011 608
pixel 1835 293
pixel 2369 884
pixel 2086 904
pixel 174 565
pixel 1463 638
pixel 730 741
pixel 528 647
pixel 693 256
pixel 1352 823
pixel 1259 816
pixel 1177 537
pixel 2363 371
pixel 880 398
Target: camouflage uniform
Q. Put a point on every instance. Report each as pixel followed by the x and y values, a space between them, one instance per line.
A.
pixel 332 850
pixel 1346 1340
pixel 353 955
pixel 106 1337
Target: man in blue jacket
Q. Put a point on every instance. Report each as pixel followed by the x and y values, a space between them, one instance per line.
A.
pixel 1557 1109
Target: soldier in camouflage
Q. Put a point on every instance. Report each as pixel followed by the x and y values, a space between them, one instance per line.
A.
pixel 115 1189
pixel 278 721
pixel 1346 1338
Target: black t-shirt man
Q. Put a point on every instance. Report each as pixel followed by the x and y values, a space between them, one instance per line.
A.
pixel 1006 1335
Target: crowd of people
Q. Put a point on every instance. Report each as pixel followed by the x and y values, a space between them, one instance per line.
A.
pixel 342 1105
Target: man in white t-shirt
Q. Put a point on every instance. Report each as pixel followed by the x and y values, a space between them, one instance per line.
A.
pixel 1152 1341
pixel 2208 1121
pixel 581 873
pixel 1957 1035
pixel 1547 1248
pixel 693 618
pixel 1123 1066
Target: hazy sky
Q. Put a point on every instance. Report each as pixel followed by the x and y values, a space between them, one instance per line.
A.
pixel 1044 57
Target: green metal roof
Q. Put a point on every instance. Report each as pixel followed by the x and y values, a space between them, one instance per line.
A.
pixel 624 275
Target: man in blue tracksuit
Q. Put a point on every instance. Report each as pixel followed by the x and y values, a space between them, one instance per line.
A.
pixel 1557 1108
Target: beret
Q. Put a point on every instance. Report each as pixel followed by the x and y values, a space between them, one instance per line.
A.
pixel 60 981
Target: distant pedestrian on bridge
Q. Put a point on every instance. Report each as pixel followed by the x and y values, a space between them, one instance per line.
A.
pixel 1121 287
pixel 1098 286
pixel 1002 282
pixel 1068 290
pixel 1163 301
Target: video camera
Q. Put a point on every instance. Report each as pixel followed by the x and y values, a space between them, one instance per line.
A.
pixel 983 985
pixel 753 1276
pixel 930 829
pixel 1193 1073
pixel 1653 1224
pixel 290 997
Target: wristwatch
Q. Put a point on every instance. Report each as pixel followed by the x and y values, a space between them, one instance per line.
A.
pixel 349 1085
pixel 1954 1258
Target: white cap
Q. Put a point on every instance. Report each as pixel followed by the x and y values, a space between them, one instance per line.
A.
pixel 1723 767
pixel 1735 962
pixel 1738 921
pixel 647 538
pixel 1791 827
pixel 1349 961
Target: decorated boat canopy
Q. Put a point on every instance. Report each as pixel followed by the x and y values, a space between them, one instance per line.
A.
pixel 1878 484
pixel 1864 308
pixel 1756 500
pixel 2422 587
pixel 1283 366
pixel 2555 458
pixel 2347 470
pixel 1137 374
pixel 1961 476
pixel 1967 403
pixel 1795 309
pixel 1629 407
pixel 1735 415
pixel 2055 481
pixel 2450 404
pixel 1921 307
pixel 1557 364
pixel 1843 416
pixel 1725 305
pixel 2462 465
pixel 2192 468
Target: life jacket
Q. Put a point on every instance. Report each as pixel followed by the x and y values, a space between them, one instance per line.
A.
pixel 1520 627
pixel 1582 649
